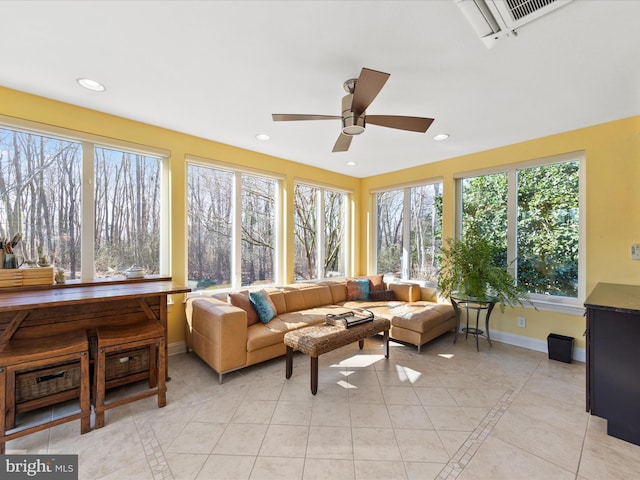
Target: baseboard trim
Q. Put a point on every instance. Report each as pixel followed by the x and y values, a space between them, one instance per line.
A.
pixel 176 348
pixel 579 354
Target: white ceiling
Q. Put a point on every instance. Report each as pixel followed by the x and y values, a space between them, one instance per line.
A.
pixel 219 69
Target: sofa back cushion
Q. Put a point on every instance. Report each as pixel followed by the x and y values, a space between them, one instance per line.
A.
pixel 406 292
pixel 277 297
pixel 303 297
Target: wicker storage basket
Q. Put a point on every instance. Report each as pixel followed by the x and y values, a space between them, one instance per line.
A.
pixel 122 367
pixel 46 383
pixel 124 364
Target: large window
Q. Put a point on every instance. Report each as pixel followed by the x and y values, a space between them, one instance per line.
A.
pixel 532 213
pixel 232 218
pixel 320 245
pixel 44 199
pixel 127 211
pixel 409 231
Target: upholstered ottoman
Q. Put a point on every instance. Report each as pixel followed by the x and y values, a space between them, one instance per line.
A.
pixel 415 324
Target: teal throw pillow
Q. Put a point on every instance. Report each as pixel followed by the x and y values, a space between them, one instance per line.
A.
pixel 358 289
pixel 263 305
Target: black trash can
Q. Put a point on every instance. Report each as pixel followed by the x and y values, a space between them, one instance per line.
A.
pixel 560 347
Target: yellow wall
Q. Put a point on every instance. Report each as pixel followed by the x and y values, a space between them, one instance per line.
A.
pixel 37 109
pixel 612 193
pixel 612 181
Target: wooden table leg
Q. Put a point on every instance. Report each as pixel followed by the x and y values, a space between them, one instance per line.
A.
pixel 385 343
pixel 289 369
pixel 361 344
pixel 3 406
pixel 314 375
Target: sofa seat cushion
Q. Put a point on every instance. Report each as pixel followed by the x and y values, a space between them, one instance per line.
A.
pixel 264 335
pixel 420 316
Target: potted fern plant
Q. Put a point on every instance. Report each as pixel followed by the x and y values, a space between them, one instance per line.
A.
pixel 468 268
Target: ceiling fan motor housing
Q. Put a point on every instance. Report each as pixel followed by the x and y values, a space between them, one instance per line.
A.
pixel 352 124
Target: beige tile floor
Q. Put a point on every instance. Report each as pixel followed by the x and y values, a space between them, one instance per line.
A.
pixel 448 412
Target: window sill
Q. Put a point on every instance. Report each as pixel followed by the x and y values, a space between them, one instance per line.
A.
pixel 574 308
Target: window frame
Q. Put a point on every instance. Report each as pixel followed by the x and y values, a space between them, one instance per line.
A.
pixel 320 227
pixel 553 303
pixel 405 188
pixel 87 223
pixel 236 233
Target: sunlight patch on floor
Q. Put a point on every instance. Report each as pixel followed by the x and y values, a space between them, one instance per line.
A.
pixel 406 374
pixel 344 384
pixel 358 361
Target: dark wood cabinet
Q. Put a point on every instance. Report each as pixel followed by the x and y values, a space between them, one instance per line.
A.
pixel 613 358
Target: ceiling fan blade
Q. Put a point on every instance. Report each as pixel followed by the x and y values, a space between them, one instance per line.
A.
pixel 285 117
pixel 367 88
pixel 413 124
pixel 342 144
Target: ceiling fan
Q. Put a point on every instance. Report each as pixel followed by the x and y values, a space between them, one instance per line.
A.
pixel 360 93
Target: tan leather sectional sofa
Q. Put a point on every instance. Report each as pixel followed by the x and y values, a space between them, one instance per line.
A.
pixel 218 332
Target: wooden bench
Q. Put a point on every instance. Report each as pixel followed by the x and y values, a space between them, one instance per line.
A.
pixel 44 362
pixel 124 338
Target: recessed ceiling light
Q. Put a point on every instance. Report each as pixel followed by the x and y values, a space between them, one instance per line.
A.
pixel 441 136
pixel 263 136
pixel 351 164
pixel 91 84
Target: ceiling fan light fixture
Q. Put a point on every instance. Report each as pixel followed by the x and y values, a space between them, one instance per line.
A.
pixel 353 125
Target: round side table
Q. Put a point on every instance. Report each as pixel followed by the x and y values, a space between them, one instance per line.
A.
pixel 469 305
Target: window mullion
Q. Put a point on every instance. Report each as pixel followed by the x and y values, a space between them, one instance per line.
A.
pixel 406 234
pixel 320 253
pixel 236 232
pixel 87 240
pixel 512 222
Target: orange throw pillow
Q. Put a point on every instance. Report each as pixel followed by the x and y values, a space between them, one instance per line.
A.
pixel 241 300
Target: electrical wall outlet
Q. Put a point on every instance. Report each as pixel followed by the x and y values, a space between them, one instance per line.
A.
pixel 522 322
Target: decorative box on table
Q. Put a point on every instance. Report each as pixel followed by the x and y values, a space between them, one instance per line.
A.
pixel 23 277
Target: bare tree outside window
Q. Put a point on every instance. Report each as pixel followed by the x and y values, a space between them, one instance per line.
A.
pixel 305 231
pixel 209 222
pixel 334 231
pixel 258 229
pixel 211 214
pixel 390 208
pixel 40 191
pixel 319 232
pixel 40 197
pixel 409 222
pixel 426 231
pixel 127 212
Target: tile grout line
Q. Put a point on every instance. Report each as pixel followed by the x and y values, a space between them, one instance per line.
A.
pixel 465 453
pixel 153 452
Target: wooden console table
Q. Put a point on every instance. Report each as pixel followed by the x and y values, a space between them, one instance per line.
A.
pixel 613 356
pixel 37 313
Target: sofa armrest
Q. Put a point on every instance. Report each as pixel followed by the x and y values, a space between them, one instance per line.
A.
pixel 218 333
